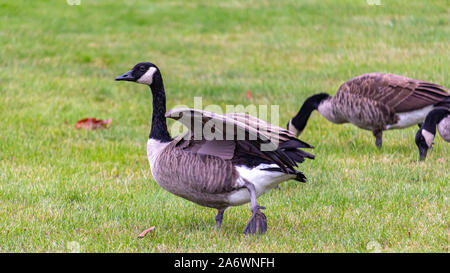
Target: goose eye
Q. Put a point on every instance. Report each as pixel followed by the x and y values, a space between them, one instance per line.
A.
pixel 141 68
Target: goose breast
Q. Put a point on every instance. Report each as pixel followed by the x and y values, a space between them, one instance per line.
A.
pixel 203 179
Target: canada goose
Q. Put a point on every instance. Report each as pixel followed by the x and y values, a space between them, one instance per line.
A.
pixel 217 172
pixel 439 116
pixel 374 102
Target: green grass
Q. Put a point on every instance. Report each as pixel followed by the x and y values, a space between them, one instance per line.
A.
pixel 59 185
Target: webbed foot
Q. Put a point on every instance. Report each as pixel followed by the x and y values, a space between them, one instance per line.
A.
pixel 257 223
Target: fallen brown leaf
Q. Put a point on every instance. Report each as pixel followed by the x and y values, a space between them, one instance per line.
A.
pixel 249 95
pixel 143 233
pixel 92 123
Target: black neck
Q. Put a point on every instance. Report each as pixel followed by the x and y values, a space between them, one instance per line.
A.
pixel 311 104
pixel 159 126
pixel 433 118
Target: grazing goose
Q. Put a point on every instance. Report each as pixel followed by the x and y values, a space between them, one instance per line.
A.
pixel 439 116
pixel 374 102
pixel 246 157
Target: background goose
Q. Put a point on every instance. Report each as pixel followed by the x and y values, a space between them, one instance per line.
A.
pixel 374 102
pixel 213 172
pixel 425 135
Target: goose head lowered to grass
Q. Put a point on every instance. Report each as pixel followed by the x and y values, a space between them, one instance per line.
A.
pixel 374 102
pixel 224 171
pixel 440 118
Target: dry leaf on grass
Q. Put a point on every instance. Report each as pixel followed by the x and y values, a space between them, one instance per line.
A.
pixel 249 95
pixel 92 123
pixel 143 233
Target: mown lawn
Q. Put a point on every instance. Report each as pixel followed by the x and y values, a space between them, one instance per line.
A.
pixel 64 190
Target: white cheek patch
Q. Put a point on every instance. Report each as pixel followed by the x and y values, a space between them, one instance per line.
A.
pixel 147 78
pixel 429 137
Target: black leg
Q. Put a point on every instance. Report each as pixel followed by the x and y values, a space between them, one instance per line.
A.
pixel 257 222
pixel 378 134
pixel 219 217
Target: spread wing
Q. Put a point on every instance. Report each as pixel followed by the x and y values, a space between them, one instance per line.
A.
pixel 230 134
pixel 400 93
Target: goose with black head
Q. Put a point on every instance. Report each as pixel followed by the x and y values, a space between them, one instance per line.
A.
pixel 440 118
pixel 374 102
pixel 219 172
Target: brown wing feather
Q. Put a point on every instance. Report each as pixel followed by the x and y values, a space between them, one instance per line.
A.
pixel 220 148
pixel 243 132
pixel 400 93
pixel 423 95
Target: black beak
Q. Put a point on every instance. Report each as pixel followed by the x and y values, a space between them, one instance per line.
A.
pixel 422 153
pixel 126 77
